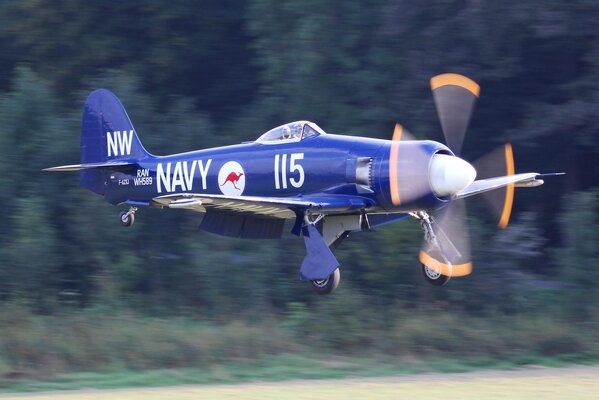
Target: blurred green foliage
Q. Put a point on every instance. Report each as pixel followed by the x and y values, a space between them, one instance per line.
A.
pixel 199 75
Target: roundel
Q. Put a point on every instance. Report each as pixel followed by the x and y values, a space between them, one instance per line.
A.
pixel 231 179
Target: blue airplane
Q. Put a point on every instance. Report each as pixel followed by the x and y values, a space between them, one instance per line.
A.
pixel 325 186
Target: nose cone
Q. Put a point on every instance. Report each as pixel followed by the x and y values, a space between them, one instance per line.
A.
pixel 449 174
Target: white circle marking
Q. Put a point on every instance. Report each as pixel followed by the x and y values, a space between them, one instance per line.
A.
pixel 231 179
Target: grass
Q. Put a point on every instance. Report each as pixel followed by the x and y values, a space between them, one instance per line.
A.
pixel 275 369
pixel 95 349
pixel 519 385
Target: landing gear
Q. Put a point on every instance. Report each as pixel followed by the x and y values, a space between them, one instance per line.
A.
pixel 320 267
pixel 127 218
pixel 326 286
pixel 433 277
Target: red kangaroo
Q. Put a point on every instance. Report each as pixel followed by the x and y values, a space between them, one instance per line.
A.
pixel 233 177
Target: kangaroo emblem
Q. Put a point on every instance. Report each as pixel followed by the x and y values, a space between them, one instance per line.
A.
pixel 233 177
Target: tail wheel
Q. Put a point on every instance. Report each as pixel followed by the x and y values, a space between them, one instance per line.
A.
pixel 127 218
pixel 327 285
pixel 433 277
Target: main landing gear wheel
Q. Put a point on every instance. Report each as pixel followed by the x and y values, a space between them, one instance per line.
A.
pixel 433 277
pixel 127 218
pixel 326 286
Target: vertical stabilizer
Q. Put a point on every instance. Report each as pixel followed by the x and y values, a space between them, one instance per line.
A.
pixel 107 134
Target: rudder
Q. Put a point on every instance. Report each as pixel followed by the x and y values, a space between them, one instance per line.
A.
pixel 107 134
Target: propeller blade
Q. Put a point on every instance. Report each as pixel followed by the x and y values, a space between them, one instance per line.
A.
pixel 401 133
pixel 498 162
pixel 449 251
pixel 454 97
pixel 407 182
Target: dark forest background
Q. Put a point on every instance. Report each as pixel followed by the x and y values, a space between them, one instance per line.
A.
pixel 77 291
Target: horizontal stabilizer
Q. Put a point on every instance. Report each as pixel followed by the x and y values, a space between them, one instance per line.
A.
pixel 87 166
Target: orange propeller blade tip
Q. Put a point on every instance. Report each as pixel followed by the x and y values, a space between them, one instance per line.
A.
pixel 397 132
pixel 445 269
pixel 509 190
pixel 455 80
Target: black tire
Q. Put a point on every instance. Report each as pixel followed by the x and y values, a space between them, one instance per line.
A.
pixel 433 277
pixel 326 286
pixel 126 220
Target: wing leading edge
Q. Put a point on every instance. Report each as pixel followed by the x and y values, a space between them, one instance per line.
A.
pixel 528 179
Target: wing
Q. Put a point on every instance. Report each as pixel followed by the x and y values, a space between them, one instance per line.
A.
pixel 257 217
pixel 273 207
pixel 484 185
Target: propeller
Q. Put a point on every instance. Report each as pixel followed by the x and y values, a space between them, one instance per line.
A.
pixel 446 247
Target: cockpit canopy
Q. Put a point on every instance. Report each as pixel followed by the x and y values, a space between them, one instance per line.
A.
pixel 291 132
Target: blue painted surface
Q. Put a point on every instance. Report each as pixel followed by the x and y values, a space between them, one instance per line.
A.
pixel 318 167
pixel 294 171
pixel 319 262
pixel 296 166
pixel 323 159
pixel 104 113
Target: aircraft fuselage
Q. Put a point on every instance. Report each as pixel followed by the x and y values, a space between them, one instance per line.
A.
pixel 322 164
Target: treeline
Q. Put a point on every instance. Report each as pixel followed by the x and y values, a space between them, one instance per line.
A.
pixel 194 76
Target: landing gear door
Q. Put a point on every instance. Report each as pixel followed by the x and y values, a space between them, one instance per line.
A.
pixel 334 227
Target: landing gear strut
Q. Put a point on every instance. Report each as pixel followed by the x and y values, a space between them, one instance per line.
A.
pixel 432 276
pixel 127 218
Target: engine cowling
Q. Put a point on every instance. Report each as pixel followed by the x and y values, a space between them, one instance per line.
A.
pixel 420 175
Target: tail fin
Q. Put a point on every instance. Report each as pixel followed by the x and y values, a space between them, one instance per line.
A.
pixel 107 135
